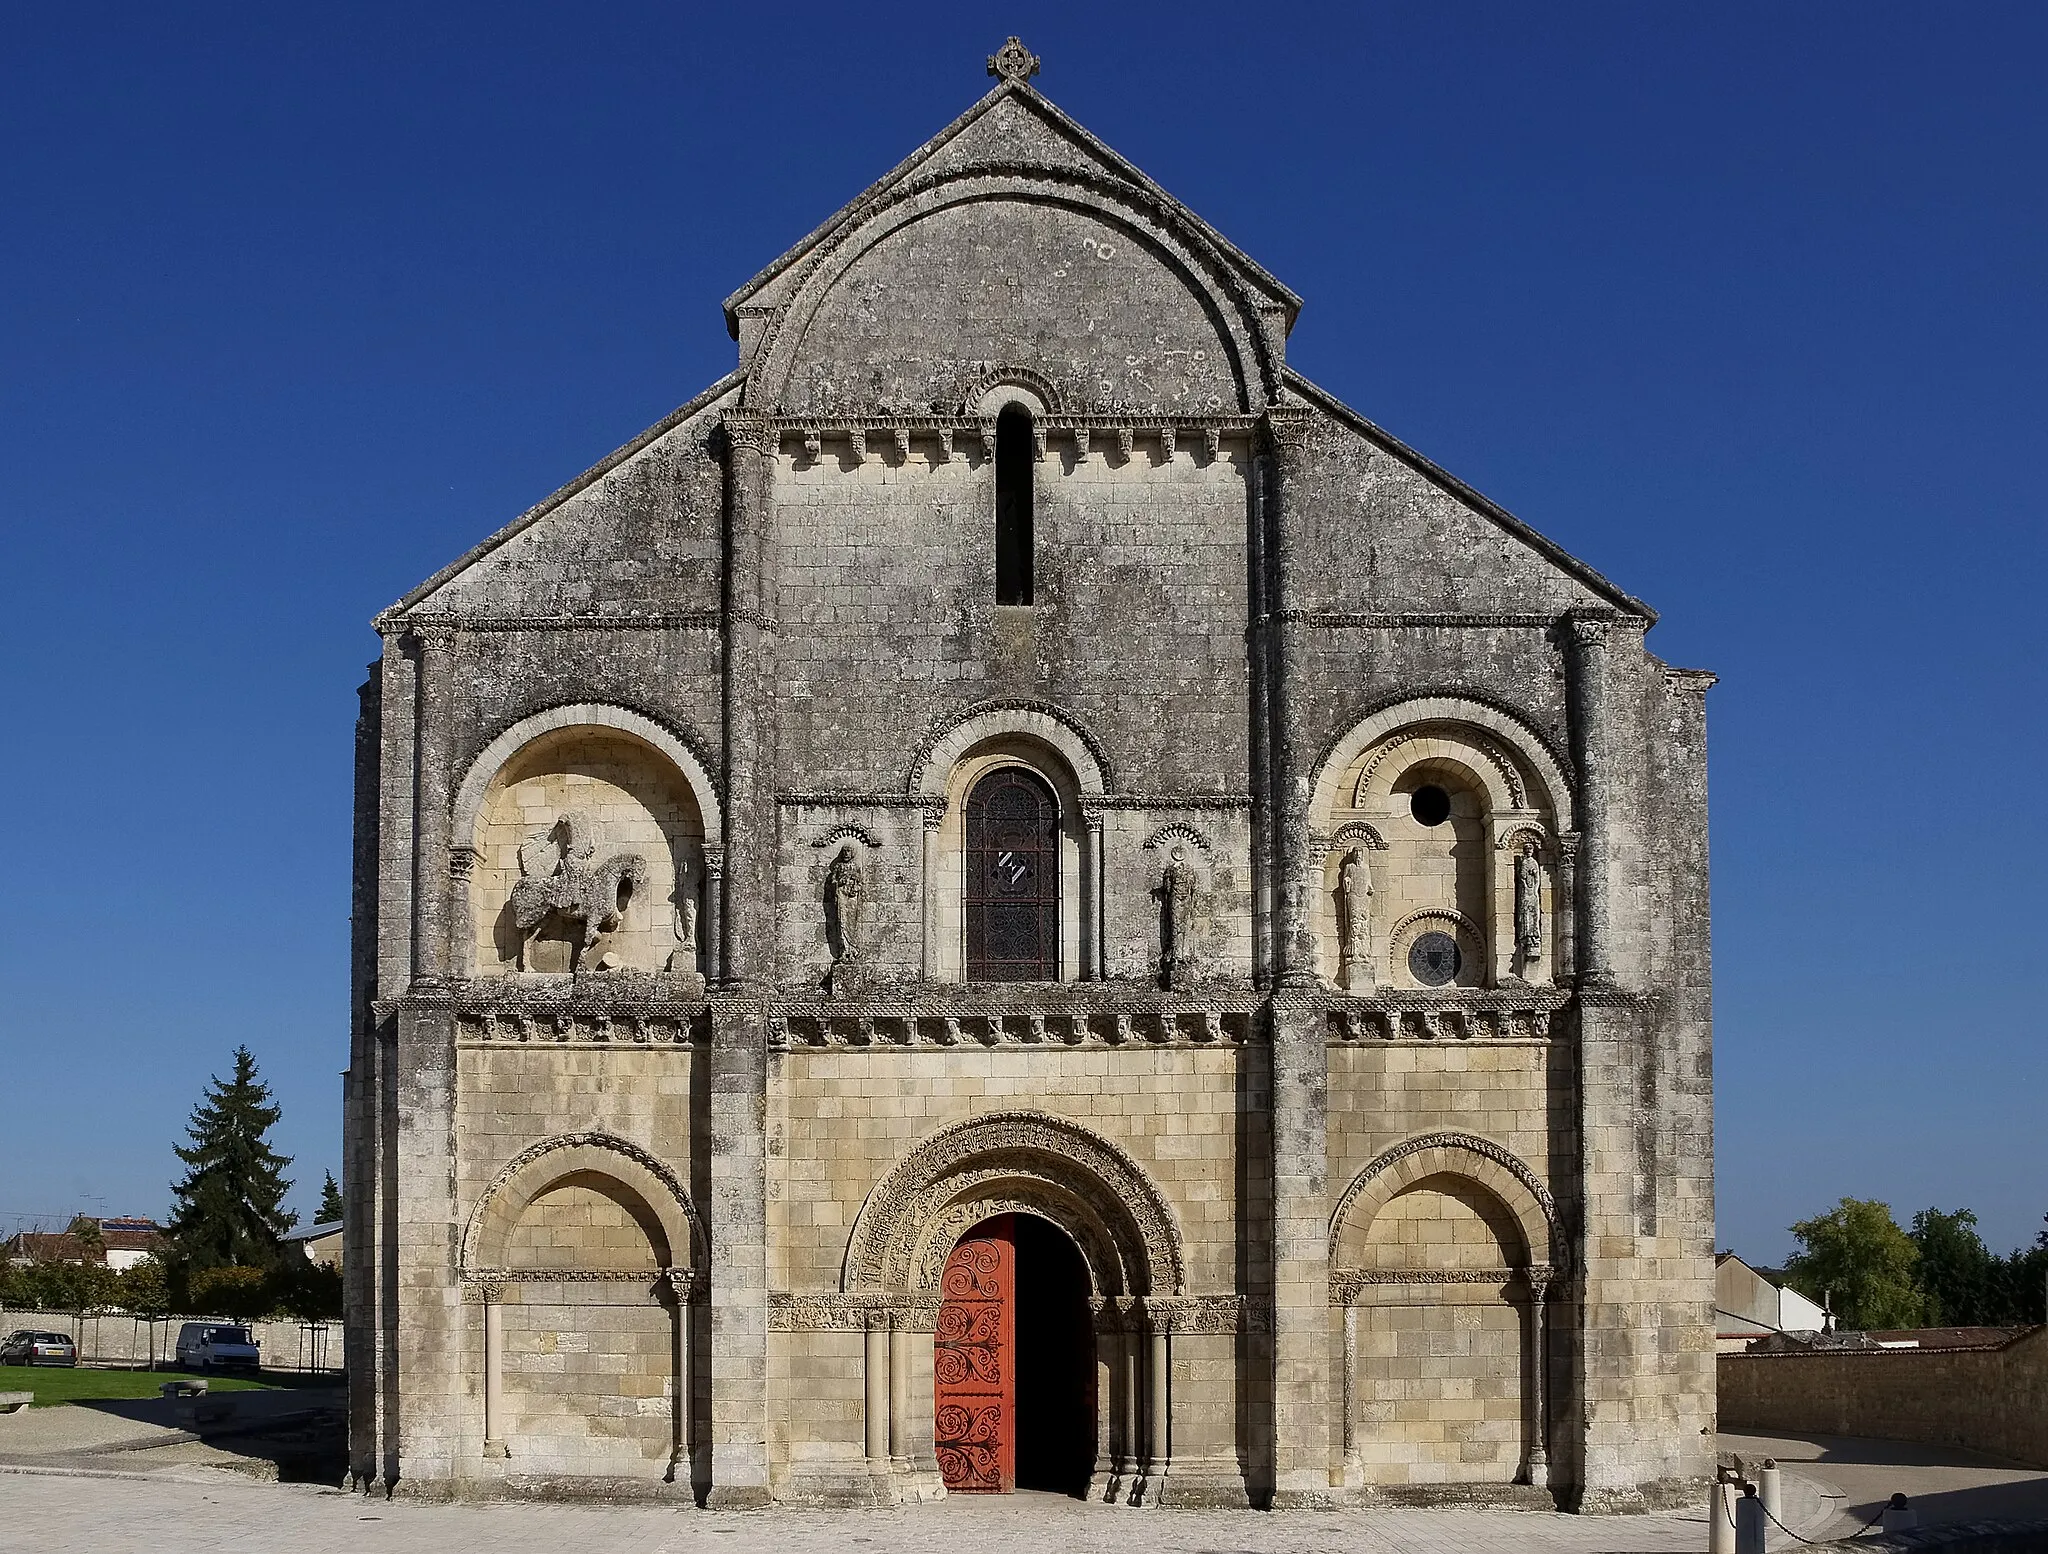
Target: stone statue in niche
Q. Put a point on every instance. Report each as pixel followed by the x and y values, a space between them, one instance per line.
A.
pixel 1177 901
pixel 559 883
pixel 1528 905
pixel 684 957
pixel 1354 920
pixel 846 894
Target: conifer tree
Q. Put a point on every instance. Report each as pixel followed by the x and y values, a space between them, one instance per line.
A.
pixel 330 1202
pixel 230 1210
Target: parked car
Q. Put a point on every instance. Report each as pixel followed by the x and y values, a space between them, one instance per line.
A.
pixel 206 1346
pixel 25 1346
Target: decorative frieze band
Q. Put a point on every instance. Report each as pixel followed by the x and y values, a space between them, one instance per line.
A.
pixel 674 620
pixel 945 432
pixel 904 1027
pixel 854 1311
pixel 1479 1014
pixel 1348 1286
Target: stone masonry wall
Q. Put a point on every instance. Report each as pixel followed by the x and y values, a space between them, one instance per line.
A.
pixel 1993 1400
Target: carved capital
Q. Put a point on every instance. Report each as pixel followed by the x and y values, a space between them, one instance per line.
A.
pixel 462 861
pixel 1588 632
pixel 1286 428
pixel 714 860
pixel 934 816
pixel 749 434
pixel 434 636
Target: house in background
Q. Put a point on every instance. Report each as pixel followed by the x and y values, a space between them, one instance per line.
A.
pixel 123 1242
pixel 1750 1303
pixel 320 1243
pixel 129 1240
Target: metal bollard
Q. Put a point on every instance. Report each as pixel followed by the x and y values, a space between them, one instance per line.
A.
pixel 1749 1522
pixel 1900 1516
pixel 1771 1489
pixel 1721 1516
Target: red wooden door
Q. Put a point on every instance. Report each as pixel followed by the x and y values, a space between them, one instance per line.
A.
pixel 975 1414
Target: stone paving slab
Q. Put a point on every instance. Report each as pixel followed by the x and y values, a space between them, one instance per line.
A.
pixel 52 1514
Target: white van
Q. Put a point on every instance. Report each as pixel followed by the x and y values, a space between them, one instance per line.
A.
pixel 205 1346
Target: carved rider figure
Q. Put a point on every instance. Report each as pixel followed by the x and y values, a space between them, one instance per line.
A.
pixel 559 881
pixel 1177 887
pixel 1528 905
pixel 1354 918
pixel 845 898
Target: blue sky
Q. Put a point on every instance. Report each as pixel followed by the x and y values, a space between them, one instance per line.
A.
pixel 1743 304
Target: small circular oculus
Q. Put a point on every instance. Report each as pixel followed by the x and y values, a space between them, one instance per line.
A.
pixel 1433 959
pixel 1430 805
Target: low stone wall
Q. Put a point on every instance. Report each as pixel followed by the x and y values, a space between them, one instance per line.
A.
pixel 1988 1400
pixel 116 1338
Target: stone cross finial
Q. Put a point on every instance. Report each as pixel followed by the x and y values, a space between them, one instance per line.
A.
pixel 1013 62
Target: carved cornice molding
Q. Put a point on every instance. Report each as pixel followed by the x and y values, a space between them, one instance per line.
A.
pixel 851 800
pixel 1377 1020
pixel 1336 620
pixel 1348 1286
pixel 879 1028
pixel 829 1311
pixel 671 620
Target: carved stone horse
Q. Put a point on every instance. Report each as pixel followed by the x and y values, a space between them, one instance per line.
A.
pixel 593 896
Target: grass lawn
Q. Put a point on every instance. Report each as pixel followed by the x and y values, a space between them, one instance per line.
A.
pixel 75 1384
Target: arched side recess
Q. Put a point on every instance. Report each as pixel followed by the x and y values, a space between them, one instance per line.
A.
pixel 476 781
pixel 1016 1162
pixel 1464 1155
pixel 534 1171
pixel 1551 791
pixel 1232 311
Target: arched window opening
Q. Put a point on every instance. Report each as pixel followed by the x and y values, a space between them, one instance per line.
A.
pixel 1013 879
pixel 1013 506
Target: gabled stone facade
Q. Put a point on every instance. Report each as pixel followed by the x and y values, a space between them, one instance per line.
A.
pixel 1300 904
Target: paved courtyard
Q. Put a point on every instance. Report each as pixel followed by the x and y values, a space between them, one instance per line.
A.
pixel 116 1480
pixel 170 1516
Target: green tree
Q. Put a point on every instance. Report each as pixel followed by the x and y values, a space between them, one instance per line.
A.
pixel 87 1230
pixel 1959 1277
pixel 230 1212
pixel 330 1202
pixel 311 1292
pixel 1858 1257
pixel 144 1289
pixel 242 1293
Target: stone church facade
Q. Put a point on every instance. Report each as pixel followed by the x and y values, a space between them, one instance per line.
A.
pixel 1016 895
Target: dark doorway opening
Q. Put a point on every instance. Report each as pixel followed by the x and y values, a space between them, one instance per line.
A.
pixel 1055 1361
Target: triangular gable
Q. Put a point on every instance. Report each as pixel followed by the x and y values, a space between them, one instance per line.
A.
pixel 583 482
pixel 966 143
pixel 1492 511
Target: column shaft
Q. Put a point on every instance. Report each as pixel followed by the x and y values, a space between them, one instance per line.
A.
pixel 900 1338
pixel 877 1401
pixel 1159 1416
pixel 494 1378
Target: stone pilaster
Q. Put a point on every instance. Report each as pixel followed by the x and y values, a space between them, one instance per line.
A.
pixel 739 1255
pixel 432 796
pixel 748 922
pixel 1586 666
pixel 1292 740
pixel 1301 1267
pixel 1301 1257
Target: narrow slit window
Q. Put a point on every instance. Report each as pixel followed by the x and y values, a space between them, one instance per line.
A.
pixel 1013 506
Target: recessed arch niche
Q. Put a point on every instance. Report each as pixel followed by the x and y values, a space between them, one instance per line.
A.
pixel 611 793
